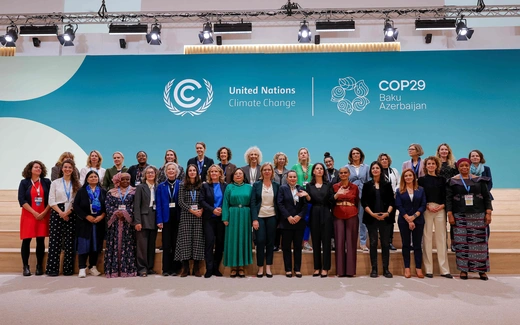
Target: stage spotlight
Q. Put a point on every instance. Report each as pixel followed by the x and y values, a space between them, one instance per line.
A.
pixel 463 32
pixel 206 35
pixel 304 34
pixel 10 37
pixel 36 42
pixel 391 33
pixel 67 38
pixel 154 36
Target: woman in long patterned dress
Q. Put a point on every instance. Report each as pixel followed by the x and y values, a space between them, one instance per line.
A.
pixel 120 259
pixel 33 196
pixel 468 203
pixel 236 215
pixel 190 240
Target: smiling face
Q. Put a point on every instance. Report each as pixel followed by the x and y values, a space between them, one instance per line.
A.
pixel 344 174
pixel 329 163
pixel 170 156
pixel 409 177
pixel 67 169
pixel 280 161
pixel 214 174
pixel 125 181
pixel 199 148
pixel 474 157
pixel 223 155
pixel 292 178
pixel 150 175
pixel 141 158
pixel 118 159
pixel 376 170
pixel 94 158
pixel 464 168
pixel 253 157
pixel 443 152
pixel 238 177
pixel 431 166
pixel 171 172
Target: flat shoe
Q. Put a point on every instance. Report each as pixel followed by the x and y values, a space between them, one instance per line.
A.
pixel 326 275
pixel 259 275
pixel 288 274
pixel 298 274
pixel 316 273
pixel 463 275
pixel 233 273
pixel 269 275
pixel 429 275
pixel 407 273
pixel 483 276
pixel 143 275
pixel 447 276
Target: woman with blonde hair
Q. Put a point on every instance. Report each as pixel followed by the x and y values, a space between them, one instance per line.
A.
pixel 253 158
pixel 94 162
pixel 280 161
pixel 118 167
pixel 303 171
pixel 445 154
pixel 55 171
pixel 169 156
pixel 434 217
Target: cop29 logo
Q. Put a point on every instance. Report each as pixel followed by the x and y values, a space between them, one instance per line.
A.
pixel 183 100
pixel 350 95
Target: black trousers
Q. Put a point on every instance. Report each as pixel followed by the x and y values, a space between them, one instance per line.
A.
pixel 169 241
pixel 321 233
pixel 62 234
pixel 292 237
pixel 416 235
pixel 214 232
pixel 383 228
pixel 26 250
pixel 265 236
pixel 145 249
pixel 92 260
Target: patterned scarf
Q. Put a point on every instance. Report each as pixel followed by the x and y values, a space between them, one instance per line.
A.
pixel 94 199
pixel 477 171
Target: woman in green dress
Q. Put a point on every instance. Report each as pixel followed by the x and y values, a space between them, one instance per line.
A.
pixel 303 171
pixel 236 216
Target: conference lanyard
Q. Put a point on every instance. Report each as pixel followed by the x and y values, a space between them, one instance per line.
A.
pixel 223 168
pixel 123 198
pixel 199 166
pixel 65 188
pixel 193 195
pixel 416 168
pixel 467 187
pixel 172 195
pixel 37 188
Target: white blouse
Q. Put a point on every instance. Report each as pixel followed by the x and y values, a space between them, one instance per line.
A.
pixel 58 195
pixel 84 171
pixel 267 206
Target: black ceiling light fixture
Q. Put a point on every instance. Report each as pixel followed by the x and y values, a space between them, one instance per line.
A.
pixel 335 26
pixel 206 35
pixel 440 24
pixel 137 29
pixel 463 32
pixel 10 37
pixel 304 34
pixel 154 36
pixel 68 36
pixel 391 33
pixel 38 30
pixel 233 28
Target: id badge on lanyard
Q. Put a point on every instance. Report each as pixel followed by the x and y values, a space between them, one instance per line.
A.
pixel 468 198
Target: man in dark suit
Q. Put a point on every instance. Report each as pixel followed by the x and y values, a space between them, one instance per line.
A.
pixel 201 161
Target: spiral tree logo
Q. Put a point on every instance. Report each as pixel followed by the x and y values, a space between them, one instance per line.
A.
pixel 187 103
pixel 346 101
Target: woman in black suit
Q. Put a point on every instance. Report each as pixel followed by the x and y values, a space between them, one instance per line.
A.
pixel 321 196
pixel 89 206
pixel 201 161
pixel 410 200
pixel 264 215
pixel 145 221
pixel 211 199
pixel 377 200
pixel 33 196
pixel 292 207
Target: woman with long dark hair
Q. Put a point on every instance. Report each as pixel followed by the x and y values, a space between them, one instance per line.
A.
pixel 63 220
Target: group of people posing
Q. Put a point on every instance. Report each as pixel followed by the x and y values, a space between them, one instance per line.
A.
pixel 206 213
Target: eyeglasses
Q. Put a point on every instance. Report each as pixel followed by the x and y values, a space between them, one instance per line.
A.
pixel 411 149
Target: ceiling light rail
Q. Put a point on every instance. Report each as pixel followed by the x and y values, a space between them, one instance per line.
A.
pixel 262 15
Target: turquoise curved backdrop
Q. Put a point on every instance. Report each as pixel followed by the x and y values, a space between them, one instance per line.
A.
pixel 380 102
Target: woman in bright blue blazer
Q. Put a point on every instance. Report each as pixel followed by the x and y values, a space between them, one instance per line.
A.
pixel 410 200
pixel 167 214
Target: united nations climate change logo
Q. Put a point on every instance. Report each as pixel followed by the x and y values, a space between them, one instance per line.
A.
pixel 342 93
pixel 186 103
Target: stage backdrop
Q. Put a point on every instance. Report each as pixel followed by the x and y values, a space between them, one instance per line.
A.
pixel 380 102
